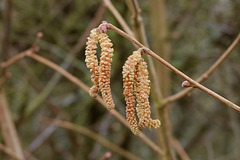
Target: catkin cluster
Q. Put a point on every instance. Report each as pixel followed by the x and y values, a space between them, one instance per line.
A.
pixel 136 82
pixel 128 90
pixel 136 86
pixel 100 71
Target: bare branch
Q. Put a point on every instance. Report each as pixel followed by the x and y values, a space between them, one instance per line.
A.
pixel 80 84
pixel 206 74
pixel 9 152
pixel 190 80
pixel 85 131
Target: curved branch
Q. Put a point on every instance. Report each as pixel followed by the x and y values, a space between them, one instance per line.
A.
pixel 80 84
pixel 190 80
pixel 118 16
pixel 85 131
pixel 9 152
pixel 206 74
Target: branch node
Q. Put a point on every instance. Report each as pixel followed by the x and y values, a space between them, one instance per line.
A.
pixel 143 50
pixel 103 27
pixel 28 52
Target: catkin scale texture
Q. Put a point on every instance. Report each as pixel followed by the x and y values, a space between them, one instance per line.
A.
pixel 128 82
pixel 136 82
pixel 142 91
pixel 105 69
pixel 92 61
pixel 136 85
pixel 100 71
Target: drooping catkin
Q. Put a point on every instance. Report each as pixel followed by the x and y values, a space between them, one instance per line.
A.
pixel 100 71
pixel 105 69
pixel 128 82
pixel 142 91
pixel 92 61
pixel 135 80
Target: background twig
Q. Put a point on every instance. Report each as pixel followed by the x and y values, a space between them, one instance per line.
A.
pixel 92 135
pixel 7 125
pixel 154 55
pixel 85 88
pixel 206 74
pixel 11 153
pixel 35 103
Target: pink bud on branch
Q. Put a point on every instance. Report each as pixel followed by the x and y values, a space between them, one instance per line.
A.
pixel 186 84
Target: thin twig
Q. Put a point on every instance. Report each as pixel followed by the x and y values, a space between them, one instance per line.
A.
pixel 160 43
pixel 35 103
pixel 9 152
pixel 6 121
pixel 190 80
pixel 15 58
pixel 8 128
pixel 60 70
pixel 141 34
pixel 164 132
pixel 79 83
pixel 122 33
pixel 45 134
pixel 98 16
pixel 219 60
pixel 206 74
pixel 180 150
pixel 118 16
pixel 85 131
pixel 137 22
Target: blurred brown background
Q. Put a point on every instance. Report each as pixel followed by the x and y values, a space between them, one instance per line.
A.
pixel 199 32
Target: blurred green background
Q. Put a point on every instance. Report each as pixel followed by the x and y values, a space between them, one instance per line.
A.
pixel 199 32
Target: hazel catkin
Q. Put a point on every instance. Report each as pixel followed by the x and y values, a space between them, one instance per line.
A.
pixel 142 91
pixel 92 61
pixel 100 71
pixel 136 85
pixel 105 69
pixel 128 82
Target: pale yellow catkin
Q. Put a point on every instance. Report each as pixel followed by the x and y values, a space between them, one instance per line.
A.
pixel 142 91
pixel 92 61
pixel 135 80
pixel 128 82
pixel 105 69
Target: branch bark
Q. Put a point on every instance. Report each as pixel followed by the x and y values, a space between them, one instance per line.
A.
pixel 171 67
pixel 96 137
pixel 161 45
pixel 8 129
